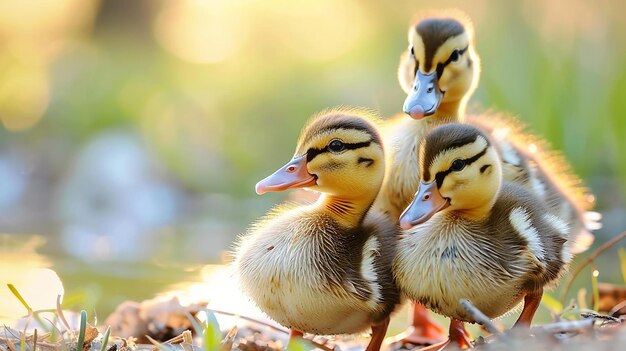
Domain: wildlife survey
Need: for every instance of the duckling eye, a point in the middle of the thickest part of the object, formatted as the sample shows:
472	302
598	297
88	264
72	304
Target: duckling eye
336	146
454	57
457	165
412	52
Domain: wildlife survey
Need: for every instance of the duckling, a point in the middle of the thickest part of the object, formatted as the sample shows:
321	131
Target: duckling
440	69
469	234
325	268
439	72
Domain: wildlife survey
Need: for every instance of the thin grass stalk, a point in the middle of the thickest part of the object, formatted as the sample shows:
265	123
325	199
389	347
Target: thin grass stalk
105	339
83	329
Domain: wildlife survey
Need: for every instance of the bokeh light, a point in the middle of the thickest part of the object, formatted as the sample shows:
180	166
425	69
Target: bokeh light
24	95
201	31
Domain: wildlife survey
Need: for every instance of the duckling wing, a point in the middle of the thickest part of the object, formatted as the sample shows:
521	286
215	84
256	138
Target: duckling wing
545	235
385	231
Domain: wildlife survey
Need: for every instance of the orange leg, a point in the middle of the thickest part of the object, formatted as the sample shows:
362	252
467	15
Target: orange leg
458	335
423	330
378	335
531	303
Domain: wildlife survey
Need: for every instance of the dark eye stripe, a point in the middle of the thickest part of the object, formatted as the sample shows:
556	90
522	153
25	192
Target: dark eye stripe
313	152
441	66
440	176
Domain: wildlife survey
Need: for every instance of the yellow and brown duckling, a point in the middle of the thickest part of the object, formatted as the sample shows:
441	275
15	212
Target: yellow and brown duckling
325	268
469	234
439	72
440	69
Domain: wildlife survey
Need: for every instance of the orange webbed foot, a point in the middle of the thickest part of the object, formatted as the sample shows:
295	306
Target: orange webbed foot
424	330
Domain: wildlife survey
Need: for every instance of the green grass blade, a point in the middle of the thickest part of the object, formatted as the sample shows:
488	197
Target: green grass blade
299	344
105	339
212	333
594	288
622	262
83	328
19	297
552	303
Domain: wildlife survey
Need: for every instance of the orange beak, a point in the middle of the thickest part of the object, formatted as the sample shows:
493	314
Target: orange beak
292	175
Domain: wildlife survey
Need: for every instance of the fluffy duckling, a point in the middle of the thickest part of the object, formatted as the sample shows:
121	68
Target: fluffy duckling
440	69
325	268
470	235
439	72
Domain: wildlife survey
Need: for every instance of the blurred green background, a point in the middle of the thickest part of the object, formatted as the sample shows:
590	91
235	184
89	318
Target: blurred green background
132	132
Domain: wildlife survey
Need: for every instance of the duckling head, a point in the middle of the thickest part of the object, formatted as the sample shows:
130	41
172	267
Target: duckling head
339	152
459	171
440	66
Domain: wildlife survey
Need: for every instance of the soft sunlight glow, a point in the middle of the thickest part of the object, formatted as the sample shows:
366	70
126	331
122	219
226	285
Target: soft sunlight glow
321	30
220	289
42	21
33	34
200	31
23	267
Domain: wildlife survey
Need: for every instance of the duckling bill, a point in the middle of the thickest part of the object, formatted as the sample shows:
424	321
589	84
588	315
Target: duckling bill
470	235
325	268
292	175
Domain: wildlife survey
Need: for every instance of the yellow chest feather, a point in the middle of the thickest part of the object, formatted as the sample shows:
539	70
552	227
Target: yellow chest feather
440	264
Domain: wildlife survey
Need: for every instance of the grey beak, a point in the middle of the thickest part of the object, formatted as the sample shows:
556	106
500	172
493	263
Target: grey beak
425	96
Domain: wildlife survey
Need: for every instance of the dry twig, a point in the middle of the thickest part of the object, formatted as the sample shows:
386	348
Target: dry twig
229	339
480	317
566	326
61	315
600	316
